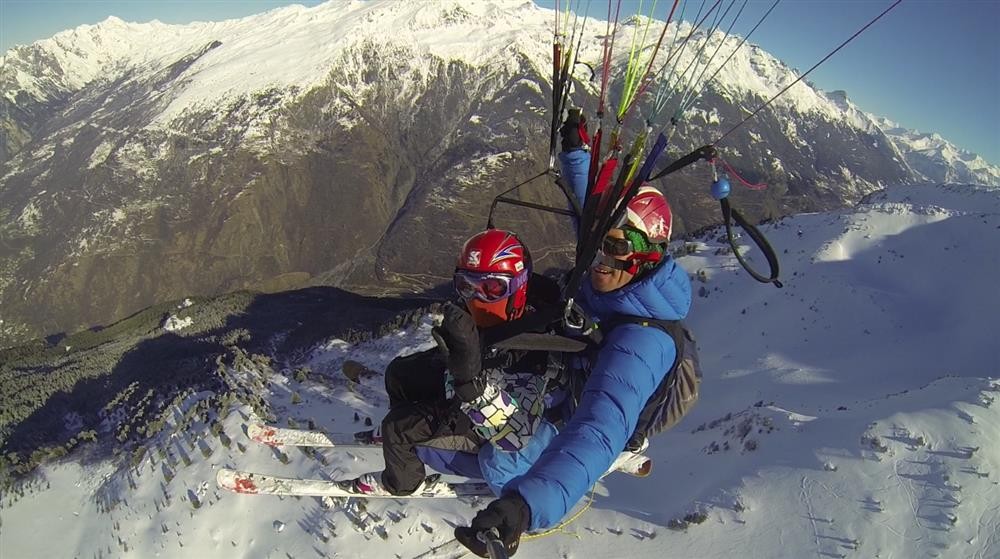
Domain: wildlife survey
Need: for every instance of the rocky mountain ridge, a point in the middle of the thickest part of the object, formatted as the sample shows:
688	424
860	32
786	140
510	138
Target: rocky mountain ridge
307	146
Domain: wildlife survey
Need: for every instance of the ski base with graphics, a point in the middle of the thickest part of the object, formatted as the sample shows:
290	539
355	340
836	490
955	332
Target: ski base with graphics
251	483
632	463
281	436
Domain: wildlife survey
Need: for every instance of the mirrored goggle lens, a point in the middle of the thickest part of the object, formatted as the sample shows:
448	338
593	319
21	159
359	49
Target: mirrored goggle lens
489	288
616	247
493	289
465	288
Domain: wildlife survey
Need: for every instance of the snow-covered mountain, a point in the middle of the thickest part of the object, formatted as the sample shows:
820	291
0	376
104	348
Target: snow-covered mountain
351	144
938	159
852	413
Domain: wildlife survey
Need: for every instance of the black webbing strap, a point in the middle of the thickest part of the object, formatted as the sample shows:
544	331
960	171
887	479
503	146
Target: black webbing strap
532	341
730	214
704	152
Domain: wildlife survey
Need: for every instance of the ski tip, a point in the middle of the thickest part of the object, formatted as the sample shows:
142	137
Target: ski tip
236	482
637	465
262	434
222	477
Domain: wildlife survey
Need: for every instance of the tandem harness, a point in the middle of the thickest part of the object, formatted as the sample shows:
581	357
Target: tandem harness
677	393
673	398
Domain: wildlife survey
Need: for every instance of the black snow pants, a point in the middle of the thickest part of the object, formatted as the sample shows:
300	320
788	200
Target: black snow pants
419	415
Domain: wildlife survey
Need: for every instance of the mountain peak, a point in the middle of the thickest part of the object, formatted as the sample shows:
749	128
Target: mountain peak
217	138
292	46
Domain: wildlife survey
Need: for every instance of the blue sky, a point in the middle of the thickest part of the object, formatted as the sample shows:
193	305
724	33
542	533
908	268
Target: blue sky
933	65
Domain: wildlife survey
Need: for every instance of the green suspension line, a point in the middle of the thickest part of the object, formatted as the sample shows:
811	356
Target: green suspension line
665	90
687	100
632	77
695	60
743	41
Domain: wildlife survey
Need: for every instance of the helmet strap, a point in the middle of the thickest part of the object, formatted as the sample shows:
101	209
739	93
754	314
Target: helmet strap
640	258
517	301
612	262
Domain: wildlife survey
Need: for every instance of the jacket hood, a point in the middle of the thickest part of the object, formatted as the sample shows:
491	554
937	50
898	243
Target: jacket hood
664	294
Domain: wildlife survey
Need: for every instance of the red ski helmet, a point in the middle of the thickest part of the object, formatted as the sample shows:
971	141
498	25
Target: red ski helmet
649	212
491	275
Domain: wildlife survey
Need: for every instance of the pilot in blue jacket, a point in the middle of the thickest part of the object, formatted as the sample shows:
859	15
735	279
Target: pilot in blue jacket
633	275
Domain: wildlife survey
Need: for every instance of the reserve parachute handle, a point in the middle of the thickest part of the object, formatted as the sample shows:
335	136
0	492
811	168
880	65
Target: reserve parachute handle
730	214
720	190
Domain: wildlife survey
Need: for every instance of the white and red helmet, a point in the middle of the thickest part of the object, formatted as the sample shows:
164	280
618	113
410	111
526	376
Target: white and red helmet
649	212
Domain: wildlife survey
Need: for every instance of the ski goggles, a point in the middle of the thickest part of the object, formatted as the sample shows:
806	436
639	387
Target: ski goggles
614	249
487	287
613	246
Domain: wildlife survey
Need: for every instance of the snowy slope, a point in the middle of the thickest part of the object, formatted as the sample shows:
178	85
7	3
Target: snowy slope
292	48
850	414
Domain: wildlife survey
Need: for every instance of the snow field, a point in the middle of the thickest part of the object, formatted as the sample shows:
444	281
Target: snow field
851	414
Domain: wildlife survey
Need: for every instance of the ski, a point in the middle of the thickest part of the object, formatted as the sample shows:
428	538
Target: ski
634	464
251	483
281	436
451	549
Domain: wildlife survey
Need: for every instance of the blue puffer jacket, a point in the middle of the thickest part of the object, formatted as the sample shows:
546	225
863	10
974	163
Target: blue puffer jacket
628	368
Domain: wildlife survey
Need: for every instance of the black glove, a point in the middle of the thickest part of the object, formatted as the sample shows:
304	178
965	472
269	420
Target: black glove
459	341
509	515
572	137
